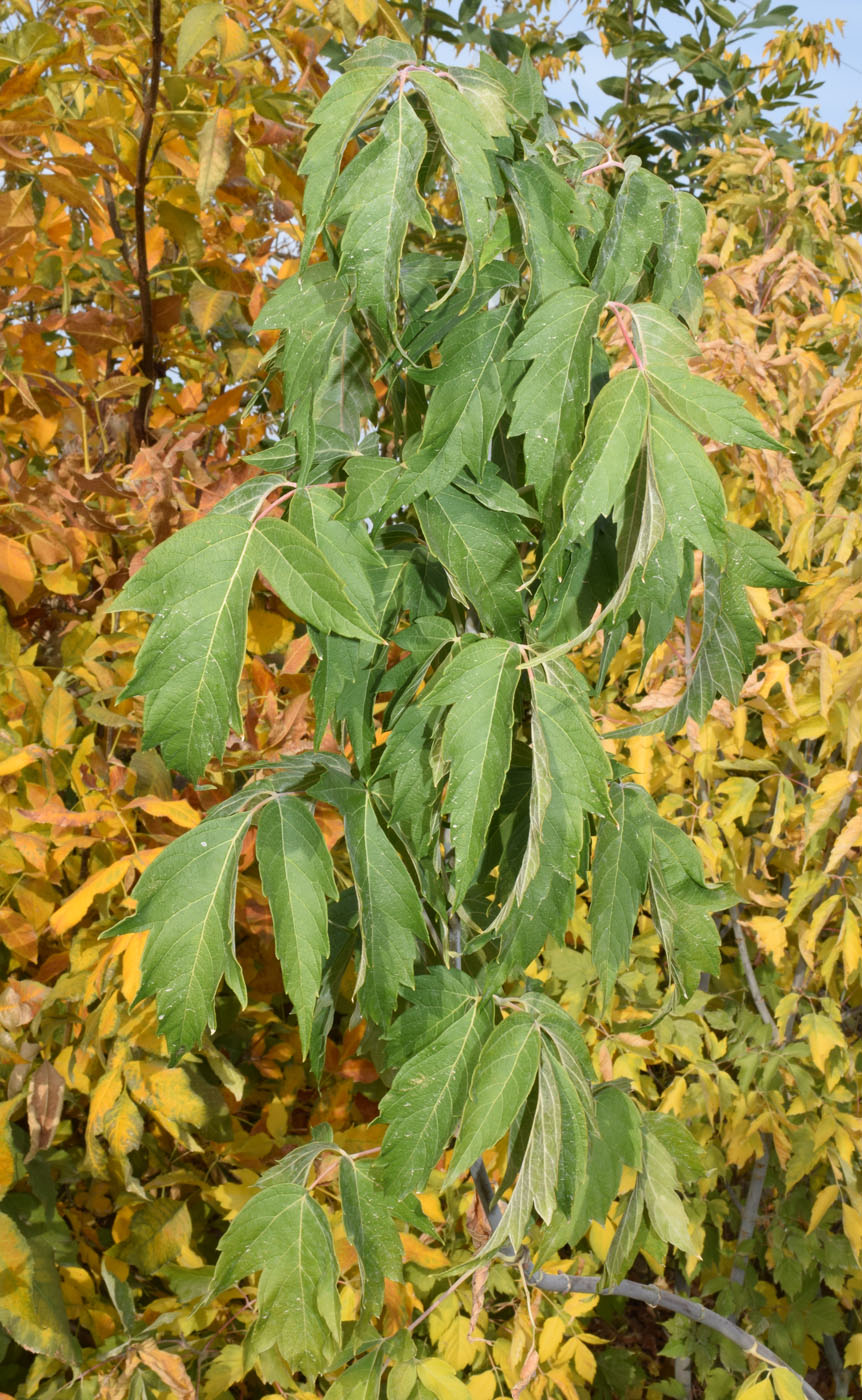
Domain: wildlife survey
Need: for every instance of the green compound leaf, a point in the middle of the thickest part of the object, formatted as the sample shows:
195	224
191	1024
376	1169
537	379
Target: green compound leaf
614	436
284	1234
620	871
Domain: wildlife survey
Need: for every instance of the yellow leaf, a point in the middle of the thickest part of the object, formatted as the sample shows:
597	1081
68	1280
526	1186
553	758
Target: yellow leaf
22	758
215	142
363	11
449	1330
17	573
267	632
771	936
58	718
787	1384
180	812
755	1389
851	943
847	838
585	1362
853	1350
31	1304
64	580
441	1380
208	305
552	1336
823	1036
73	909
483	1386
823	1200
427	1256
160	1230
852	1220
233	40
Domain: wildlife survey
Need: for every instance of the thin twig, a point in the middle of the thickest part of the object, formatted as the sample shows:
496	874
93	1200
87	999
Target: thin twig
757	997
651	1294
148	333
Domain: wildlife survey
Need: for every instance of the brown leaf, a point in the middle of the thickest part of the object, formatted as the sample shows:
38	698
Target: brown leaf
528	1370
45	1094
477	1284
477	1224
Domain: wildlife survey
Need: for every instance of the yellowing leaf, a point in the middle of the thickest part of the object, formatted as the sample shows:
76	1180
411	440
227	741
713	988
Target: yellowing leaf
267	632
482	1386
754	1389
441	1380
553	1333
58	718
852	1220
160	1230
823	1036
787	1384
427	1256
169	1368
771	936
850	836
823	1200
72	910
853	1350
31	1304
17	574
215	142
208	305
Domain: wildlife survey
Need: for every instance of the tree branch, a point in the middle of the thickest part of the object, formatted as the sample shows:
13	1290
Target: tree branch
757	997
650	1294
148	335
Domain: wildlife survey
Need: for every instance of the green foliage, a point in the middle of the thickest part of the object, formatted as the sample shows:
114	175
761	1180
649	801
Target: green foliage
505	440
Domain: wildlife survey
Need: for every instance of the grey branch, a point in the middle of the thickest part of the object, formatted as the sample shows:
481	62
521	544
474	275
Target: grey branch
651	1294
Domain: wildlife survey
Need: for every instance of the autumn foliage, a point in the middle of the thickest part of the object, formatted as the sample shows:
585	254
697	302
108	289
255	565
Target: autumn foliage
120	1171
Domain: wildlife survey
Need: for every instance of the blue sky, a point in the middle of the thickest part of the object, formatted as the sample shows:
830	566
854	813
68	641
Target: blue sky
842	86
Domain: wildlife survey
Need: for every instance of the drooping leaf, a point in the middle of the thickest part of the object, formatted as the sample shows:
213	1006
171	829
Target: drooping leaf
708	408
676	283
614	436
186	901
378	194
578	765
468	398
549	400
369	1226
478	683
296	874
335	118
538	1170
501	1081
426	1098
682	905
477	550
390	912
687	482
285	1235
620	870
635	226
661	1187
547	208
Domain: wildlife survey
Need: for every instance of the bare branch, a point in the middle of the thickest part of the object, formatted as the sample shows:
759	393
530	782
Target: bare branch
148	335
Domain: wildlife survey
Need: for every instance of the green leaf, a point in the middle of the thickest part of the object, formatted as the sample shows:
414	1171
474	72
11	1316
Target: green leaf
336	117
186	900
636	224
549	400
440	998
620	871
477	681
536	1187
296	874
708	408
390	912
676	259
469	145
579	767
32	1309
614	436
285	1235
314	588
688	483
197	583
501	1082
426	1099
370	1229
547	208
574	1138
200	24
478	553
378	193
360	1380
469	396
682	906
624	1245
660	1185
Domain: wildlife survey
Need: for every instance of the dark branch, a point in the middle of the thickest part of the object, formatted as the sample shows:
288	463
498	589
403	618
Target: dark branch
148	336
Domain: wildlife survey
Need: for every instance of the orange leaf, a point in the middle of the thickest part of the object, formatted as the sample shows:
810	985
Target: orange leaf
72	910
17	575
